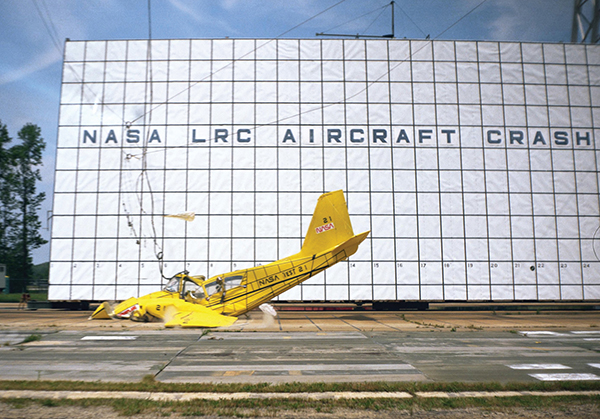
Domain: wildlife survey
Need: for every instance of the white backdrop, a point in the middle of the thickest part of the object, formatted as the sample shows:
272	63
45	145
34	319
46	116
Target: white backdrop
474	165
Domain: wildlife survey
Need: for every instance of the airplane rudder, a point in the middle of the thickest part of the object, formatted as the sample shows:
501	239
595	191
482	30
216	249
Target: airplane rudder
330	224
338	214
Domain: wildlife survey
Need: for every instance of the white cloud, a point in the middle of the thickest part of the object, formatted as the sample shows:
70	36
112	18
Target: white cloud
508	22
188	10
203	17
529	21
40	62
266	18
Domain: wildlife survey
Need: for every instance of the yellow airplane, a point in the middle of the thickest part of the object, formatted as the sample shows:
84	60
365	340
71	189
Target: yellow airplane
193	301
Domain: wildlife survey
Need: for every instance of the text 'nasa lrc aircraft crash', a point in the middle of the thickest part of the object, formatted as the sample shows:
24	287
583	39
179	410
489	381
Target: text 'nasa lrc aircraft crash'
192	301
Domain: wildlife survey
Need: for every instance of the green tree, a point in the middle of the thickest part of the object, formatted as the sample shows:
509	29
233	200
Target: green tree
7	201
26	158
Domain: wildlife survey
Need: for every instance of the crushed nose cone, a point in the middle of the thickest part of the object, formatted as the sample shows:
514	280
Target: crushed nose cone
102	312
127	313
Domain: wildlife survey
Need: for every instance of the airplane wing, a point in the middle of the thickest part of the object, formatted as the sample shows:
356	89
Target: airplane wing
204	317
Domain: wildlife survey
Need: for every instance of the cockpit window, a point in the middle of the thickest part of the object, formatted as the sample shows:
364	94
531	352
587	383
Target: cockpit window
227	282
193	289
173	285
233	281
213	288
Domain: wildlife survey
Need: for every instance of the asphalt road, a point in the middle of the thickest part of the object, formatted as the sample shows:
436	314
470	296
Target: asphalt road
363	346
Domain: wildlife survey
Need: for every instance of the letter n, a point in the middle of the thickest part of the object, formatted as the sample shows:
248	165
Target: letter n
86	136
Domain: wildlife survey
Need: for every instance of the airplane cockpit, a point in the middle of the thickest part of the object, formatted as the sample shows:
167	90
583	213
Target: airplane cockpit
173	284
197	288
221	285
185	285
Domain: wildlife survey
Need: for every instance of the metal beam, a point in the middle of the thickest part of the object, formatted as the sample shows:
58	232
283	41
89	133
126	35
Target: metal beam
586	19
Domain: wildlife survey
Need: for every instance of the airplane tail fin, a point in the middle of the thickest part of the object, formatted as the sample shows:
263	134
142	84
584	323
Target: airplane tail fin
330	225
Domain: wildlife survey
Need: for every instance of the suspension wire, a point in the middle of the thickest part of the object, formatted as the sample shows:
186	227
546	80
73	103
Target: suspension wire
149	20
594	240
356	18
459	20
375	20
412	21
241	57
251	52
144	178
55	38
401	62
49	24
308	20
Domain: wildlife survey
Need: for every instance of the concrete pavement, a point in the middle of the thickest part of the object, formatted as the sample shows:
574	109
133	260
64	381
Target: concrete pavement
306	347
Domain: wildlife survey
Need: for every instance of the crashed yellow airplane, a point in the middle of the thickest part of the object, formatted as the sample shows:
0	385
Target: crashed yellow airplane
193	301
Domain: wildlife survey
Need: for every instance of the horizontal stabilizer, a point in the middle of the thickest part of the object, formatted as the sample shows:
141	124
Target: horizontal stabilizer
351	245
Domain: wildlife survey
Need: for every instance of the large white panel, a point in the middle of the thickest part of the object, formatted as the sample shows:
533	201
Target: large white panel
257	160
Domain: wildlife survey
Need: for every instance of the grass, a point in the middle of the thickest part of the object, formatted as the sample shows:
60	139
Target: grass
437	326
16	297
149	384
275	406
32	338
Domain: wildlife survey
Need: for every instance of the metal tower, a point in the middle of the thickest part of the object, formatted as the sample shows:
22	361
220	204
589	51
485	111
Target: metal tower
585	29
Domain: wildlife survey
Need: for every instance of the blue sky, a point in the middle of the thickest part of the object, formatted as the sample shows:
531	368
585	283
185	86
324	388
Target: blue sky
32	34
